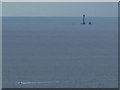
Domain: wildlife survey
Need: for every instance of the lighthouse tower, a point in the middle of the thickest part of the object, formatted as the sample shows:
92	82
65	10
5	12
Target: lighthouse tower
83	19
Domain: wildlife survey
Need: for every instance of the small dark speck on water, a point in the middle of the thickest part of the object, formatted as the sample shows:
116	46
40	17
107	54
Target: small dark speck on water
90	23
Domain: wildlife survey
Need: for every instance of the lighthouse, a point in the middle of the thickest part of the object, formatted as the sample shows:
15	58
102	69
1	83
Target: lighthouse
83	19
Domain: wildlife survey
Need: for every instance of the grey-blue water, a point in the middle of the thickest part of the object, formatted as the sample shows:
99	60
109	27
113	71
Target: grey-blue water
60	52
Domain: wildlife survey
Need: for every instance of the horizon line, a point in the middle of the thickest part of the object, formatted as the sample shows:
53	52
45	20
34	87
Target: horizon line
59	16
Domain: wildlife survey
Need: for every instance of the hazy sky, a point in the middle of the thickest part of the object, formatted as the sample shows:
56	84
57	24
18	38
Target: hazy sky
94	9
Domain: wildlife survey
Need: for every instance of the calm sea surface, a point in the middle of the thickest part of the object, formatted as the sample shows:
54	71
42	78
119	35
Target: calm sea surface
60	52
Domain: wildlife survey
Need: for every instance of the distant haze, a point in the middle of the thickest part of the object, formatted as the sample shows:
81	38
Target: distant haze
60	9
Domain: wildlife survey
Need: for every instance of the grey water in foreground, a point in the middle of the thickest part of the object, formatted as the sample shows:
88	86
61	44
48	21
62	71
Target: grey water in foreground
60	52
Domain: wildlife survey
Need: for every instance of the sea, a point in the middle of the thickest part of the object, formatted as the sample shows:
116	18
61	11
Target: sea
59	52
